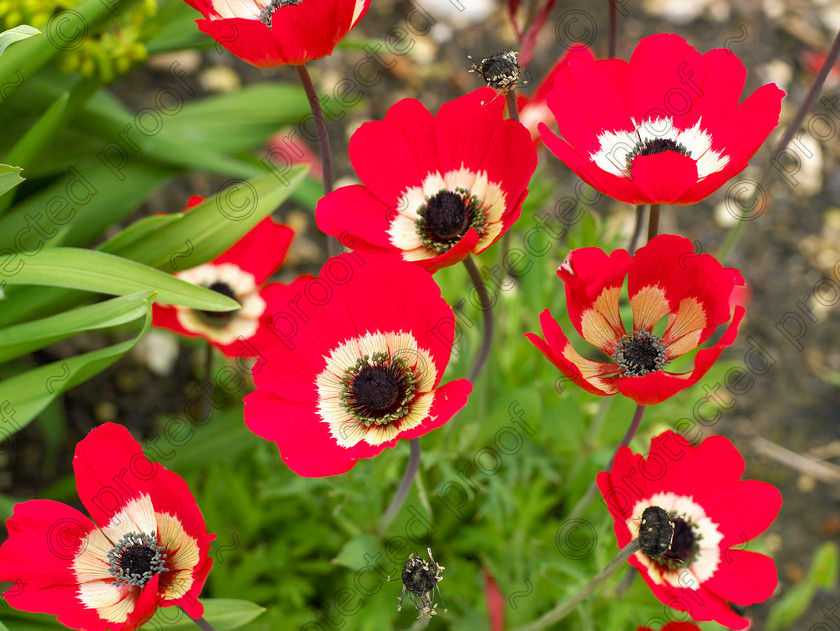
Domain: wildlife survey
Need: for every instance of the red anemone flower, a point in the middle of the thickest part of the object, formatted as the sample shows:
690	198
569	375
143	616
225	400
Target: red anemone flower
362	353
533	109
269	33
665	127
238	273
664	278
146	547
435	188
710	510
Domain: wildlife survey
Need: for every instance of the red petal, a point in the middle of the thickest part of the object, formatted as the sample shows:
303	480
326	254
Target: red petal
355	210
166	317
450	399
260	251
305	443
44	538
465	128
743	578
250	40
386	178
664	177
111	469
746	513
657	67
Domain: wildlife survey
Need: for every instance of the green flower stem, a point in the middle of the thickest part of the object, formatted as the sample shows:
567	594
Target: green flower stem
767	175
402	490
201	622
487	311
565	608
629	434
323	142
637	229
653	222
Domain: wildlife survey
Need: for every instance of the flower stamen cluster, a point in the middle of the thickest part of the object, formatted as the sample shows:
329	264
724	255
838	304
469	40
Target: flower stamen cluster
136	559
640	353
446	217
378	389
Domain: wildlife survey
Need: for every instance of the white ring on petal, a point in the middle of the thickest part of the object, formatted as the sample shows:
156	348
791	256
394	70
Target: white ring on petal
706	534
244	323
615	146
403	230
344	427
248	9
96	589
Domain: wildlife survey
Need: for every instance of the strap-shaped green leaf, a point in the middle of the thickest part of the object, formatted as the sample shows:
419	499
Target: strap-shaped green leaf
223	613
89	270
24	396
212	227
9	177
24	338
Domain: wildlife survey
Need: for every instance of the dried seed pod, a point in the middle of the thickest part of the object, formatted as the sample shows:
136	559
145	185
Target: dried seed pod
420	578
500	71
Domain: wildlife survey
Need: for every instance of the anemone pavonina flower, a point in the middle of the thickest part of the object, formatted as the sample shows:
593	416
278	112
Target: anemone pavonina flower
361	370
435	188
665	127
238	273
533	109
712	511
665	278
269	33
146	547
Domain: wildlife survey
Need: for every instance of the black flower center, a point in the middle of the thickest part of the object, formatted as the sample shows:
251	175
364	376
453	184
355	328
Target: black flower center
136	559
378	389
446	217
639	353
271	7
218	319
684	545
649	147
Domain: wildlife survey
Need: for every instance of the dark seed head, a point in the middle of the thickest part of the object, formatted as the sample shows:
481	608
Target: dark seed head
419	576
655	532
271	7
649	147
684	544
500	70
639	353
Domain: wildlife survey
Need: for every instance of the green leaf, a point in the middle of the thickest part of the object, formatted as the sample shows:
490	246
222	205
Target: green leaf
16	34
353	554
9	177
822	574
223	613
27	148
24	338
89	270
136	231
214	225
24	396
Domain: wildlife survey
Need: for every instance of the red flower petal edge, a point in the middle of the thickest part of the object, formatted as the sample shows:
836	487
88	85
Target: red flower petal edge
146	547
